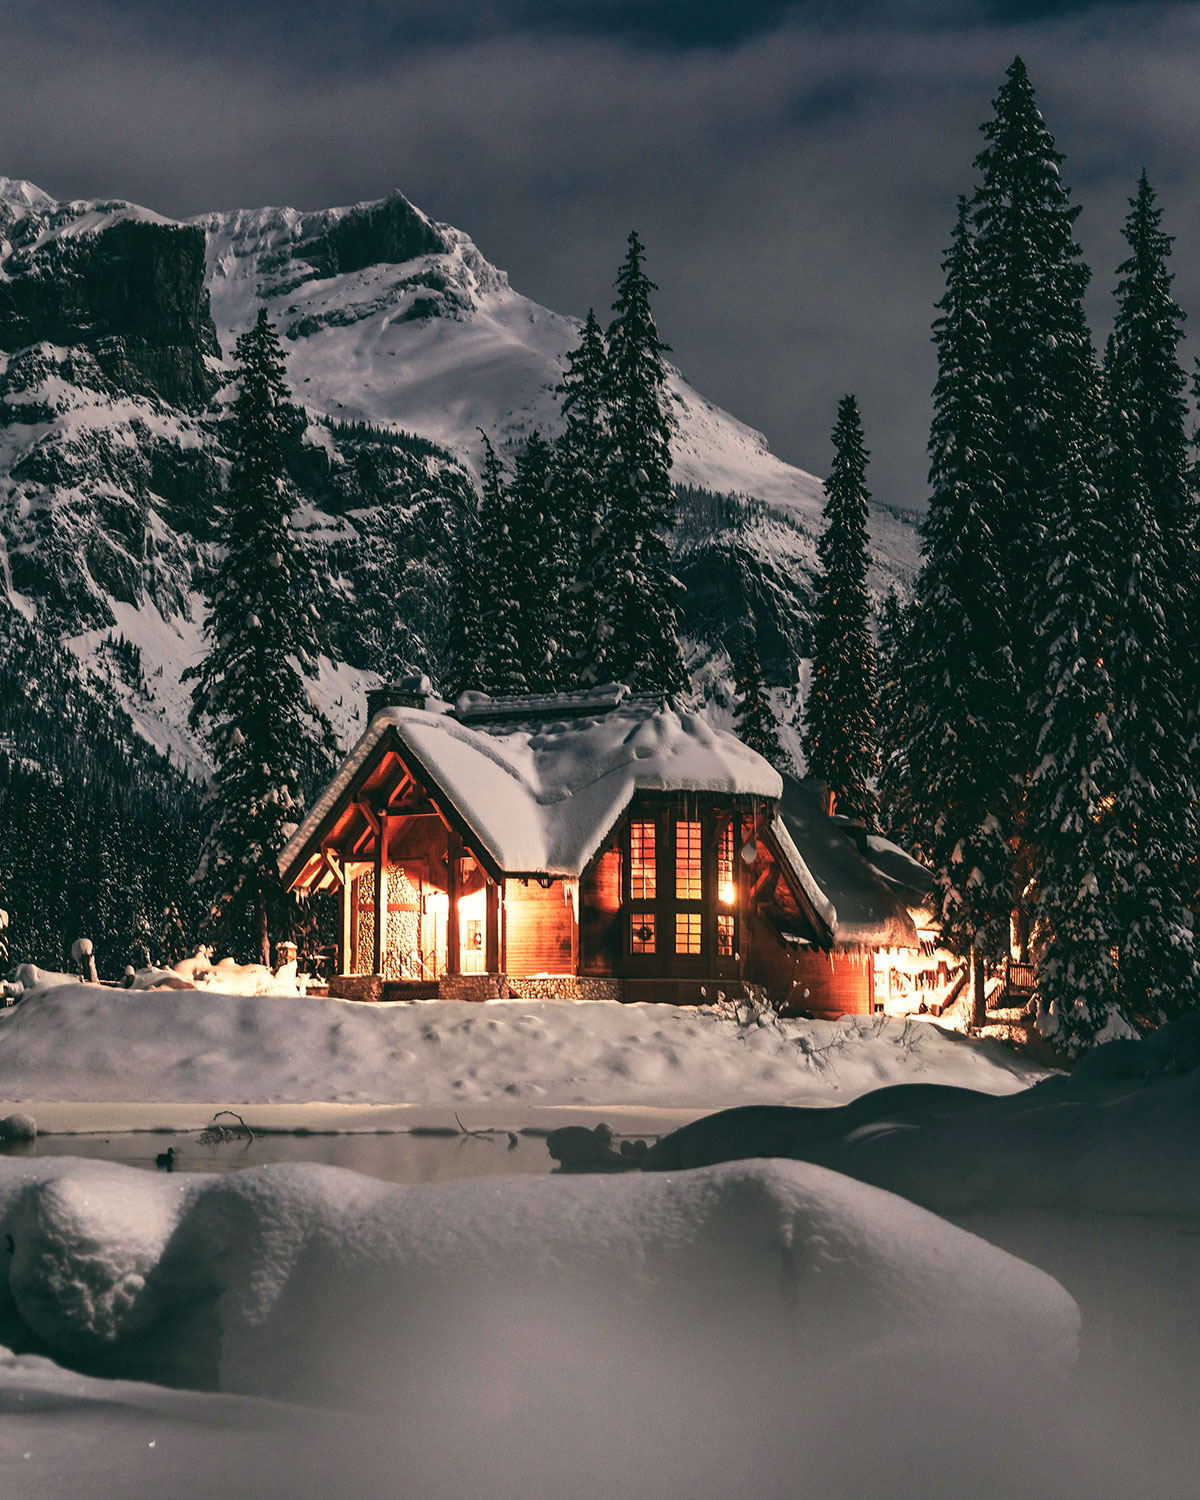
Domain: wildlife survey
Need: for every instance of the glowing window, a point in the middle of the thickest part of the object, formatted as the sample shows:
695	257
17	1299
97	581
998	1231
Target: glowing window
726	936
726	881
642	883
687	865
641	932
687	932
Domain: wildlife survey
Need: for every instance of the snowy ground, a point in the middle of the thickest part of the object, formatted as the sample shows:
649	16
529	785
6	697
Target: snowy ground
768	1328
78	1042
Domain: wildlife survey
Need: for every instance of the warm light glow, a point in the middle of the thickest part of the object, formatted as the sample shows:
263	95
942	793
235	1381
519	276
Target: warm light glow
437	903
472	907
728	893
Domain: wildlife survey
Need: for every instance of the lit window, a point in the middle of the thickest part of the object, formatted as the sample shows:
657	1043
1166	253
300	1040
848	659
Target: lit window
726	884
687	865
687	932
726	935
642	883
641	932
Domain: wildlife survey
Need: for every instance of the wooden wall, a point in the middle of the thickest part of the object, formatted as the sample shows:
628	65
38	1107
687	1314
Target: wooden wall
539	929
599	915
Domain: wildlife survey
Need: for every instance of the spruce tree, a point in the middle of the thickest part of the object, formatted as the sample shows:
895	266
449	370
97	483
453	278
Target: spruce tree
249	700
578	495
1077	770
465	643
634	637
753	717
839	713
501	665
891	652
959	689
1152	813
1031	281
537	560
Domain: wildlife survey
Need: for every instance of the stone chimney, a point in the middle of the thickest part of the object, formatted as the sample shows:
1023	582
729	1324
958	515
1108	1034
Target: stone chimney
407	692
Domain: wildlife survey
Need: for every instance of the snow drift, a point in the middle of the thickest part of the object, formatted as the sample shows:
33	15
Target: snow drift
618	1336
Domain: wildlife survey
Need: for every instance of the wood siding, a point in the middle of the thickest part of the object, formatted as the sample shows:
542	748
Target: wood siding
600	914
539	929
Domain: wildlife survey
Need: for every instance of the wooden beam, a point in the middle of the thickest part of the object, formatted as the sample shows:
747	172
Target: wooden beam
368	812
330	858
381	891
344	914
494	949
400	790
453	867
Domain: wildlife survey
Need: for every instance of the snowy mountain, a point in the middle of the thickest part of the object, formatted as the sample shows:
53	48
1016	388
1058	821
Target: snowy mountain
116	327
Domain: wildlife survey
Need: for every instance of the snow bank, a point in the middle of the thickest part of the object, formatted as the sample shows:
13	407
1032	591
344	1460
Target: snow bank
527	1330
86	1042
226	976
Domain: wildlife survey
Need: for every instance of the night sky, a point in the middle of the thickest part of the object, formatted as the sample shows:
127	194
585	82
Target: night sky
791	168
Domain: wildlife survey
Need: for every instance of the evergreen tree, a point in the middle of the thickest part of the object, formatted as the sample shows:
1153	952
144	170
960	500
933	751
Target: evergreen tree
634	637
1152	813
839	714
538	562
465	643
1031	282
1146	383
959	724
1072	785
502	664
578	496
753	717
249	699
891	655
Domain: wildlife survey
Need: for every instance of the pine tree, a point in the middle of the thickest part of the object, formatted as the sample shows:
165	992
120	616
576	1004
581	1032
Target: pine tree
464	644
1152	813
1031	281
502	666
249	699
959	688
753	717
891	654
1077	770
537	562
839	714
634	637
578	495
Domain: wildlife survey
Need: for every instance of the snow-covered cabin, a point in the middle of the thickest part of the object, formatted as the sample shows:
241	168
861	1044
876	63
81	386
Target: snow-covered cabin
593	844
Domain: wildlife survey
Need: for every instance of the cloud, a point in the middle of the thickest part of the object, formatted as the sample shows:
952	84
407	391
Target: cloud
794	183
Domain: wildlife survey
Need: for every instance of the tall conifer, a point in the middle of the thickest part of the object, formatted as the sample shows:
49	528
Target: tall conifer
501	664
839	713
959	687
753	717
579	495
249	699
634	638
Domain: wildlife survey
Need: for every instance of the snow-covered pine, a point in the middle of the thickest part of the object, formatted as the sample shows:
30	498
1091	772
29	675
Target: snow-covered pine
499	567
754	719
250	683
957	714
1147	382
1031	282
1152	816
578	497
464	637
1078	770
634	634
839	713
538	563
891	647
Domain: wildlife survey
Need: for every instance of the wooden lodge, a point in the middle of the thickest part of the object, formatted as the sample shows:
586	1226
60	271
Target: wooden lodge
589	845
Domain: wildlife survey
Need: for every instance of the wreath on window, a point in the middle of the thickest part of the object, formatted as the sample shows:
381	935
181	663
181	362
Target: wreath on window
644	933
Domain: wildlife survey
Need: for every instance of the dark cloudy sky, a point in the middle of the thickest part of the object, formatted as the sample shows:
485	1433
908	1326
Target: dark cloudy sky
791	167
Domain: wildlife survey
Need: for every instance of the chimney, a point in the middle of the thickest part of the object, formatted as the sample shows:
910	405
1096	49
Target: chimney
407	692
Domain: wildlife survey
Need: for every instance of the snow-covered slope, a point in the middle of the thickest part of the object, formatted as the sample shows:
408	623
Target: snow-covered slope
116	331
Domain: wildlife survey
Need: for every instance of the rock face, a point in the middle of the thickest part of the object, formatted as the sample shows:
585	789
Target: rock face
127	291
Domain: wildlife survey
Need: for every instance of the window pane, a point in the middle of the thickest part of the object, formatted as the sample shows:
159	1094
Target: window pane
687	932
726	886
687	862
726	936
641	932
642	883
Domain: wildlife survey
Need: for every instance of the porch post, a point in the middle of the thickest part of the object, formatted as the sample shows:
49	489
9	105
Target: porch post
492	960
453	864
344	961
381	891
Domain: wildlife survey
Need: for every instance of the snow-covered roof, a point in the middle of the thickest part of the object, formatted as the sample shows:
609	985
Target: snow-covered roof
867	908
542	792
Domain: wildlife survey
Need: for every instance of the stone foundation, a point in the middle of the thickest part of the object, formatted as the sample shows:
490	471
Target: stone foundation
564	987
476	987
356	986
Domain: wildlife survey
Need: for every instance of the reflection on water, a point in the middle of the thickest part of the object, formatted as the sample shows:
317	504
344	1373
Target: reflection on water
409	1157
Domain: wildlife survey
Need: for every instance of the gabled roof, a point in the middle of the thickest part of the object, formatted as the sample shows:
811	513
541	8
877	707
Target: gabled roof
866	892
540	783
